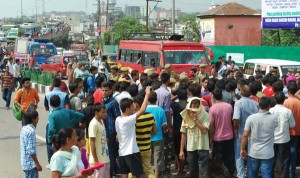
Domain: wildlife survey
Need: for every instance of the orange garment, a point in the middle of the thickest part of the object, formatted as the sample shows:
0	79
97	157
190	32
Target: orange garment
98	96
27	98
294	105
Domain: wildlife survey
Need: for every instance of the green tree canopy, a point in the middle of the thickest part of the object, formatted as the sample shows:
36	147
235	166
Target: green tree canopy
126	26
192	27
281	37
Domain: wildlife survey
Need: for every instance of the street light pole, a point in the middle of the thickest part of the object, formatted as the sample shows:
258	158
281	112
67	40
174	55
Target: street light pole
147	16
173	17
21	10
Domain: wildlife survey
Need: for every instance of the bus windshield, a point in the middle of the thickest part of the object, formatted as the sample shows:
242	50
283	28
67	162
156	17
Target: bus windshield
42	50
185	57
290	68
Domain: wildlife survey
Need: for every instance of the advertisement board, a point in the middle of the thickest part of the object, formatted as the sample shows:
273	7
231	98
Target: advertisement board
280	14
207	30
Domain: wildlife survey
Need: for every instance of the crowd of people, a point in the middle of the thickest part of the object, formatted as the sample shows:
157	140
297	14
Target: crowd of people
139	124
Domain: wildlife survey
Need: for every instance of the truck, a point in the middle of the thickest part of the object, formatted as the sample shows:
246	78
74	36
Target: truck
12	35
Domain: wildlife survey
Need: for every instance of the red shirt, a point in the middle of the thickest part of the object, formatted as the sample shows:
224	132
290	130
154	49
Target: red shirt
208	98
269	91
63	87
255	98
98	96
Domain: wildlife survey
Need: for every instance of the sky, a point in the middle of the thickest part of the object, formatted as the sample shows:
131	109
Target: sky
12	8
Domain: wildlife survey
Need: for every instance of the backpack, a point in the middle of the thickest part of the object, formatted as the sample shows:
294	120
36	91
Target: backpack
85	84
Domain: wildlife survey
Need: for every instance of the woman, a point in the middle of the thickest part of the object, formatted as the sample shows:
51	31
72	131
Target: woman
66	162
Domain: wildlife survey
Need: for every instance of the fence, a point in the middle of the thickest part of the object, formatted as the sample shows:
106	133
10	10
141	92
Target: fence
38	76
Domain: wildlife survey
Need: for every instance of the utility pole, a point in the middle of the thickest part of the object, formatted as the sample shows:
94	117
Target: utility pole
21	10
36	10
106	23
147	16
99	24
173	17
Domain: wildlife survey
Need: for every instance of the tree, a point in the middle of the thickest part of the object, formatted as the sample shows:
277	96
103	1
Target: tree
126	26
281	37
192	27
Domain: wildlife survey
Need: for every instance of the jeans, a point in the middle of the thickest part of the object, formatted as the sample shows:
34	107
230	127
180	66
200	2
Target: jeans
18	80
113	154
264	165
49	146
282	151
33	173
6	95
169	152
294	146
239	162
223	152
198	163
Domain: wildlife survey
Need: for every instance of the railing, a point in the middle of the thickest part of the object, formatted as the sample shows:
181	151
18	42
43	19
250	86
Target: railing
38	76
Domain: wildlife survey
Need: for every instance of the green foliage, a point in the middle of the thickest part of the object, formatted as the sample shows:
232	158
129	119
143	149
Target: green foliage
281	37
126	26
192	27
107	38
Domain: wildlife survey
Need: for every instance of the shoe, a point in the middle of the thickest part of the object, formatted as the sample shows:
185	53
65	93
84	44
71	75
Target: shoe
7	108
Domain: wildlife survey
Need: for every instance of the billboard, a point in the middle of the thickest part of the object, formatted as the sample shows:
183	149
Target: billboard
207	30
281	14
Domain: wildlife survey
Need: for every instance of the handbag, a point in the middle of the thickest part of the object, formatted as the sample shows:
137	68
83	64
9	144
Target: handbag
17	110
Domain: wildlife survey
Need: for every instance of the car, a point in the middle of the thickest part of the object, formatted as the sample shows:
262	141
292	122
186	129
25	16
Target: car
57	64
60	50
2	36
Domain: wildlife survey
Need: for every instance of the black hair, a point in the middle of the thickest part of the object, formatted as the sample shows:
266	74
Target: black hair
154	76
117	86
80	134
99	107
155	85
61	138
25	80
125	103
220	84
193	69
165	77
255	86
217	170
143	78
17	60
138	100
133	90
277	86
195	89
124	86
55	101
144	74
251	79
134	73
230	86
292	87
73	87
205	78
99	80
152	97
245	91
106	85
242	82
264	102
195	101
89	100
182	94
258	76
279	97
211	85
93	68
78	80
239	74
148	82
56	82
217	93
272	79
265	80
29	116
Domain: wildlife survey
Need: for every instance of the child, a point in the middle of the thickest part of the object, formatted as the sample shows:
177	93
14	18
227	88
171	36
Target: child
29	161
81	145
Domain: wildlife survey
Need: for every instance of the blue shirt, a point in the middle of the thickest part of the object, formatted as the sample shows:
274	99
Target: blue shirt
160	120
113	111
64	99
163	98
62	118
243	108
28	147
91	83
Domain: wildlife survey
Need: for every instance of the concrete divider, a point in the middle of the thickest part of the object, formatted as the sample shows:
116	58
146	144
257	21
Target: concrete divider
41	88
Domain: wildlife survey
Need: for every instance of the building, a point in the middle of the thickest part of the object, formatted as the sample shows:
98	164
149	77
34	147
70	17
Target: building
231	24
163	13
134	11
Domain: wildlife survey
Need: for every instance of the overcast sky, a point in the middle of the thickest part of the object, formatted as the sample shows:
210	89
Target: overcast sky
12	8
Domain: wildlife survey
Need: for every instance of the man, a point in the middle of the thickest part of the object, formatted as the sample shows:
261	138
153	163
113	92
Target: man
26	97
29	161
17	74
130	157
60	118
10	64
95	62
70	70
259	129
282	136
164	101
112	106
135	77
7	86
204	90
214	74
145	127
91	80
221	132
75	101
114	75
124	85
98	142
168	69
125	73
243	108
293	104
268	81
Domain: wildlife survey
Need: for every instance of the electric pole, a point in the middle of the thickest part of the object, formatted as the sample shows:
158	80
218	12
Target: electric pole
147	16
99	24
173	17
22	11
106	23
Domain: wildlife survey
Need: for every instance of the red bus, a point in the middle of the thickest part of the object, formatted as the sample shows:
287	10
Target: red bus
140	54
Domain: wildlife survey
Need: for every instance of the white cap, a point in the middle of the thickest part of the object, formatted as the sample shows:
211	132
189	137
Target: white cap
101	67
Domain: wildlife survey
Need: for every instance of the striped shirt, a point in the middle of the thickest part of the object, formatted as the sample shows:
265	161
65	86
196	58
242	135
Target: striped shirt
8	80
28	147
144	126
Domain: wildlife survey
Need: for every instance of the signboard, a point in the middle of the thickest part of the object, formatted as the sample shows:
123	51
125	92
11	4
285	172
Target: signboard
236	57
207	30
280	14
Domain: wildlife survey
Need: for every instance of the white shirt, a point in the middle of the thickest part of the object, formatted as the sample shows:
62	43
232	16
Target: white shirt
125	127
17	69
95	63
122	95
285	122
11	68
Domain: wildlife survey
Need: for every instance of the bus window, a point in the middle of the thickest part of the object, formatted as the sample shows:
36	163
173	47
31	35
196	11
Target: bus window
123	55
262	69
129	56
185	57
249	68
151	59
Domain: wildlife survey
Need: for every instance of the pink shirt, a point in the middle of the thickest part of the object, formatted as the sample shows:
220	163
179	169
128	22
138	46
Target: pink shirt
98	96
220	115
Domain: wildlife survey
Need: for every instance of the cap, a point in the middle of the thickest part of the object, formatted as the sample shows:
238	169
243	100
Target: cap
101	67
167	66
172	80
202	65
114	67
124	69
273	70
290	78
149	71
124	80
183	78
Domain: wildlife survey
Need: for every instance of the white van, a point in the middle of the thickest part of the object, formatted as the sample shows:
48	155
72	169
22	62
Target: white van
266	65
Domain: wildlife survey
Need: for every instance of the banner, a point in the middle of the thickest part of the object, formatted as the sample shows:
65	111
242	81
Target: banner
207	30
280	14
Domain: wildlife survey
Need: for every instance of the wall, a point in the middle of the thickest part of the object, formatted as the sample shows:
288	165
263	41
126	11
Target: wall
245	31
